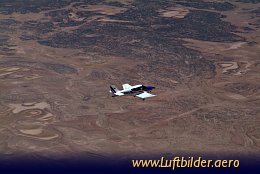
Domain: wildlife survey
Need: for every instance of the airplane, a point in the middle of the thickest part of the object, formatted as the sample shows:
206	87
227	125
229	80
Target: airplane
140	91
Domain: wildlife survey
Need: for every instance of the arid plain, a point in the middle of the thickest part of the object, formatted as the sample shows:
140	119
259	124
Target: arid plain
58	58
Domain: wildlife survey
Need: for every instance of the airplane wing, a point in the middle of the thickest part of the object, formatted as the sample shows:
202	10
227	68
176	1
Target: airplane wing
127	86
145	95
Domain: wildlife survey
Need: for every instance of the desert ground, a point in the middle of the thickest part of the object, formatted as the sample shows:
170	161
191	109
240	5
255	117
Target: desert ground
58	59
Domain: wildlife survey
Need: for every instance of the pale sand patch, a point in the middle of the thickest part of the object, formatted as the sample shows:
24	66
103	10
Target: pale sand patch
239	73
101	18
125	2
224	65
212	47
47	117
75	17
21	107
7	73
236	45
228	66
10	69
17	82
246	68
174	81
105	19
33	76
28	104
49	137
41	138
174	12
32	131
35	112
104	9
25	17
236	96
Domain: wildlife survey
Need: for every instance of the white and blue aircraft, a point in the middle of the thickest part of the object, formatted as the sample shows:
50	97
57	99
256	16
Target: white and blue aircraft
140	91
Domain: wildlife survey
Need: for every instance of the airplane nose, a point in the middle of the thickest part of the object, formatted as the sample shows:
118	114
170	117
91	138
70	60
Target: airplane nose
150	87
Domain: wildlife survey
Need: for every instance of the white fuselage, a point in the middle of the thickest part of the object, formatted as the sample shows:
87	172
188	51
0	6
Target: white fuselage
130	91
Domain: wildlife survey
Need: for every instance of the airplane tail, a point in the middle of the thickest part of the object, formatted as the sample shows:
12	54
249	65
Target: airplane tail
113	89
